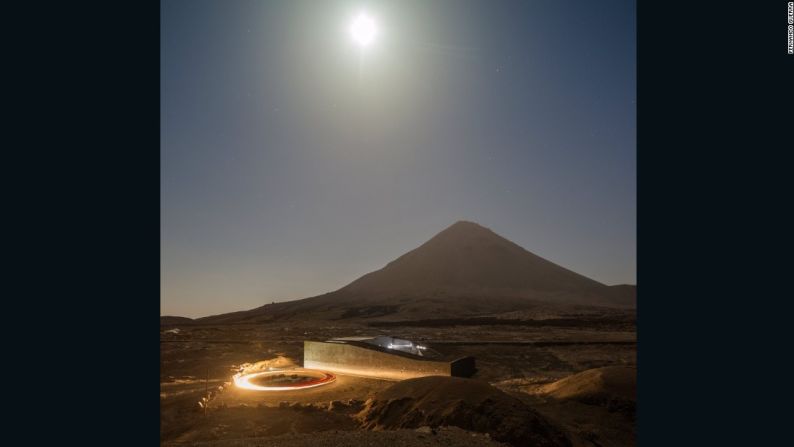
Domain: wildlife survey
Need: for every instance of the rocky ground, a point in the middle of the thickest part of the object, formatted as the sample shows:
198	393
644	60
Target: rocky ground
420	437
521	359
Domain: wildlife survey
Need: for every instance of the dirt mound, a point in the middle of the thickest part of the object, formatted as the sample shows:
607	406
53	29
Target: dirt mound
614	387
465	403
611	381
278	362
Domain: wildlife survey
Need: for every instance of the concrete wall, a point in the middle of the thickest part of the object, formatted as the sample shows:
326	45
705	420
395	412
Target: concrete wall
361	361
463	367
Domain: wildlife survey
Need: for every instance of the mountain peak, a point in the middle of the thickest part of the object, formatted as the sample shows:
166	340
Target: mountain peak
465	229
467	258
465	224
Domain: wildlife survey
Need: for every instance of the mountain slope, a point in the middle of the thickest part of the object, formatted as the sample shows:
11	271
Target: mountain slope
168	320
467	258
465	270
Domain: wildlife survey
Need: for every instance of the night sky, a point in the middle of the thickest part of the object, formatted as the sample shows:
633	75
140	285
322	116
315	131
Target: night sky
294	161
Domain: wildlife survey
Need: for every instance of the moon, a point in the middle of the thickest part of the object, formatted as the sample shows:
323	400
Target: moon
363	30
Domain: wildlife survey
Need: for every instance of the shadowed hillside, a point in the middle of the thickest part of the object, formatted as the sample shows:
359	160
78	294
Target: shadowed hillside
469	404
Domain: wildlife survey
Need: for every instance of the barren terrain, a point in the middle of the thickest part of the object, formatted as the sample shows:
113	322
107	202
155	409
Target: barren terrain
522	357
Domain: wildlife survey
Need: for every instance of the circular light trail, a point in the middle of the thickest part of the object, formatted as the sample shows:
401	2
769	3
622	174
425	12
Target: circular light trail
283	380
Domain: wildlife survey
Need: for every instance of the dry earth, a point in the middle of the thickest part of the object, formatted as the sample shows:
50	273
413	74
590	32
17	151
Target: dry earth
520	359
421	437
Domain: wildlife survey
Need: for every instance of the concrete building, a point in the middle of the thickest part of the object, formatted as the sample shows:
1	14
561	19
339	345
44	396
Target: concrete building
382	357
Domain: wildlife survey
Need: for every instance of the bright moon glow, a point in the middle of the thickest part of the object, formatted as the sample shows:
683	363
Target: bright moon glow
363	30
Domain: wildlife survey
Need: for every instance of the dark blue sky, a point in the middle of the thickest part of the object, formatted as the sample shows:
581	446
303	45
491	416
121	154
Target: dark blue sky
293	162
